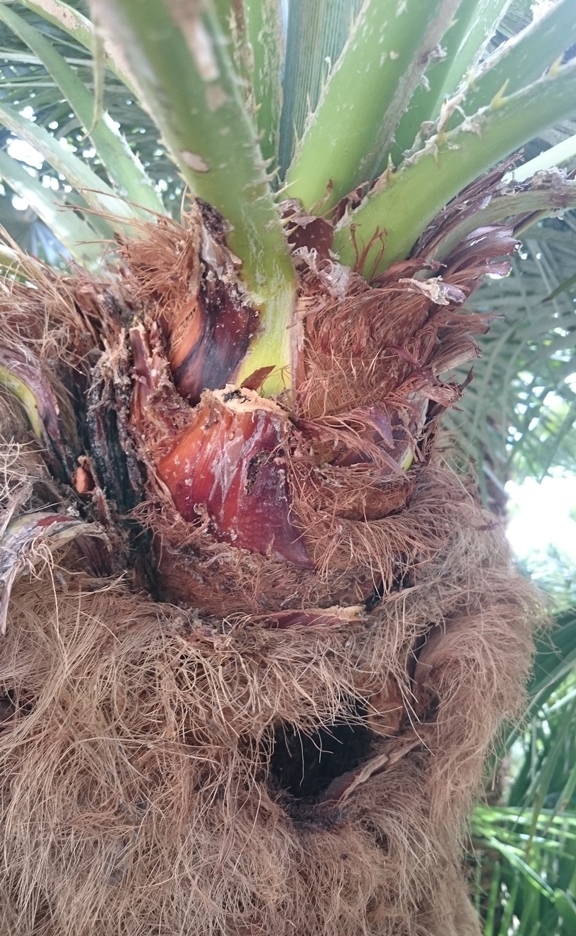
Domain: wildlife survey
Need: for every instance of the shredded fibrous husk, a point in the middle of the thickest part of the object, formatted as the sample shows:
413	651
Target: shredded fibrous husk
139	786
217	725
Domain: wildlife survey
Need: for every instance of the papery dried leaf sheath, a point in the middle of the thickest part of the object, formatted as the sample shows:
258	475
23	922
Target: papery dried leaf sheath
188	281
230	463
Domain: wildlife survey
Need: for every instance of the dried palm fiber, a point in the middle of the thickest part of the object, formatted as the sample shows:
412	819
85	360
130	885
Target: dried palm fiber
220	726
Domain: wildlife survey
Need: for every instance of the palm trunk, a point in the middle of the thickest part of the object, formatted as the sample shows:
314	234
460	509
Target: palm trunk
254	692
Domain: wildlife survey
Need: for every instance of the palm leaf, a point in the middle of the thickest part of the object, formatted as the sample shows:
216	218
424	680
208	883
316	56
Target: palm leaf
76	235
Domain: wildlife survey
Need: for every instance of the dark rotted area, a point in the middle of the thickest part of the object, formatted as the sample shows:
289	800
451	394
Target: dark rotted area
304	765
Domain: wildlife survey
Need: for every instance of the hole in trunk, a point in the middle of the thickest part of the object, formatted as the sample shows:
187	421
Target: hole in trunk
305	765
10	706
7	709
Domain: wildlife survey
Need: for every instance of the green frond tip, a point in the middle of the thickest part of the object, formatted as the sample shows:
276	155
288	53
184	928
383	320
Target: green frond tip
387	225
180	61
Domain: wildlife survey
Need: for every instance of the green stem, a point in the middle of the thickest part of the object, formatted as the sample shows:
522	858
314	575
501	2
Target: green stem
254	29
179	59
480	28
547	159
475	20
264	34
402	204
317	33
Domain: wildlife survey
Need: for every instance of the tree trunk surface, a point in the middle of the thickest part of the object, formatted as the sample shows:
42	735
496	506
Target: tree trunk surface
256	651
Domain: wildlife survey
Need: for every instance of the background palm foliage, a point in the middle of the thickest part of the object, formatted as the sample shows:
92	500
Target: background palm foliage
521	406
524	838
518	415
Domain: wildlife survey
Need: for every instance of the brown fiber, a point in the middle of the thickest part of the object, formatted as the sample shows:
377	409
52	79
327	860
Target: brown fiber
136	783
201	740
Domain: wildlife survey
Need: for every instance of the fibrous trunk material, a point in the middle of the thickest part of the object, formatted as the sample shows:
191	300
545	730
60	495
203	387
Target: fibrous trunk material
255	649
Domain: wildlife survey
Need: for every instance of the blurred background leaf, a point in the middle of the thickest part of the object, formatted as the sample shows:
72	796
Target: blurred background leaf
524	837
517	417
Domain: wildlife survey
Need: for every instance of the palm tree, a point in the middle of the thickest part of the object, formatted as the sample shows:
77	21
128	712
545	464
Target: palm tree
258	634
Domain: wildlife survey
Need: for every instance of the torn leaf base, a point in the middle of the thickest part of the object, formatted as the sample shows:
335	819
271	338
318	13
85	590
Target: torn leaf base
31	539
